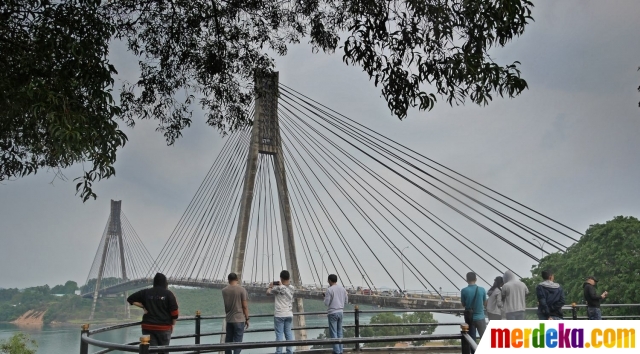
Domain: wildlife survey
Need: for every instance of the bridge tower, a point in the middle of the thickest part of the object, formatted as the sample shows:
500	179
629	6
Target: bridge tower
113	240
265	139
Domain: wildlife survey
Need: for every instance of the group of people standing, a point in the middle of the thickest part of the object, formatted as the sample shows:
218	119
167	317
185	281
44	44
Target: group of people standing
161	310
506	300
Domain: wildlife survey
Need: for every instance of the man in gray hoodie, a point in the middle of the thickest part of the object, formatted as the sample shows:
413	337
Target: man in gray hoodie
514	294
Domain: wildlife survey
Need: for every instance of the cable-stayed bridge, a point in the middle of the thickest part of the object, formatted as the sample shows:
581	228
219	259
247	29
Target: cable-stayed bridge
315	192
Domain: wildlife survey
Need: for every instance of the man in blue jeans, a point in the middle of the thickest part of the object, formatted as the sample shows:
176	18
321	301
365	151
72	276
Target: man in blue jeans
474	298
334	298
283	313
237	310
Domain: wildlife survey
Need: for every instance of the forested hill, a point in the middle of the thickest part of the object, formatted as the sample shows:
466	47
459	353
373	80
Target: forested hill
74	309
611	253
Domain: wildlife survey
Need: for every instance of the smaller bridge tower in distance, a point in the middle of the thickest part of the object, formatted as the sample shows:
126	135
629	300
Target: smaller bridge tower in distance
121	258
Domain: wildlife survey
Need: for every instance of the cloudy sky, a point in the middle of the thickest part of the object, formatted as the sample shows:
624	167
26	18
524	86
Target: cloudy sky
568	146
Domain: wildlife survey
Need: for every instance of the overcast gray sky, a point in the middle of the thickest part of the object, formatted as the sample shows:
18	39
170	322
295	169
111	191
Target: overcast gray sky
568	146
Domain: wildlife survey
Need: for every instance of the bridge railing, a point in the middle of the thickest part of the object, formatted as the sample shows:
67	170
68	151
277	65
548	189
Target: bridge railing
142	346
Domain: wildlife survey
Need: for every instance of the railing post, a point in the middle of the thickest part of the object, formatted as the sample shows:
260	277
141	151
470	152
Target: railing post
84	347
574	311
144	345
198	327
357	328
466	348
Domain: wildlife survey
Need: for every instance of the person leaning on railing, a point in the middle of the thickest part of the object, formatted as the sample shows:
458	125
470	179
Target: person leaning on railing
160	310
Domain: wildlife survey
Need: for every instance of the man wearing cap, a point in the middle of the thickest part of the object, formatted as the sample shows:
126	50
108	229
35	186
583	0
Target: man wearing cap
592	298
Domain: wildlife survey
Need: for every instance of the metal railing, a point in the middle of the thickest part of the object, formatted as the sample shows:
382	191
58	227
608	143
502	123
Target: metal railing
143	346
575	307
467	345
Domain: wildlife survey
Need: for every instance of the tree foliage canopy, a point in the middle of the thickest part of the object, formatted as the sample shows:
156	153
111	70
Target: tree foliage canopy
18	343
69	288
56	80
56	107
611	253
389	318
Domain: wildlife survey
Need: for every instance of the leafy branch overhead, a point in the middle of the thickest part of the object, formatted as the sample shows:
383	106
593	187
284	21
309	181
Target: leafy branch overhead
56	79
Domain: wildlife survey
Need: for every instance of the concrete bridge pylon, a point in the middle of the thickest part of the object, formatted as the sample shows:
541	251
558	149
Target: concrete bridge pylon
266	139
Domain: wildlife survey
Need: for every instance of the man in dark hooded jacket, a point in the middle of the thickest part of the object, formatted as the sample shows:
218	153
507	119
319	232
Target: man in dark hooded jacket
592	298
550	298
160	310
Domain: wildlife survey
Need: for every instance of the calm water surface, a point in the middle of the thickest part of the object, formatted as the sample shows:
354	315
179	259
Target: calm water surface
66	340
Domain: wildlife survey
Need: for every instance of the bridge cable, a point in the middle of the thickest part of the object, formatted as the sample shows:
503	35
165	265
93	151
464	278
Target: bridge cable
372	223
308	205
216	197
404	197
179	232
354	176
223	202
440	189
448	169
438	198
273	212
338	206
445	229
231	220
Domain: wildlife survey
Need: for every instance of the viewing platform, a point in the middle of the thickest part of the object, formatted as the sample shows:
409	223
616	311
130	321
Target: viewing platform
440	343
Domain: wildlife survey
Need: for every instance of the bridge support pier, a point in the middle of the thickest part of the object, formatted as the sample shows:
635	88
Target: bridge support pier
265	139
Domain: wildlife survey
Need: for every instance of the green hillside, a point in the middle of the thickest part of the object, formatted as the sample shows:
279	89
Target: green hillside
74	309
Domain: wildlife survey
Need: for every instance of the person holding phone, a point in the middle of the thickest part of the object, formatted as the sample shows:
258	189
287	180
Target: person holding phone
592	298
283	313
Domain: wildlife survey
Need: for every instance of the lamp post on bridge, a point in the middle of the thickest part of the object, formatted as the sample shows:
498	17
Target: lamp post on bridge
321	267
541	246
404	287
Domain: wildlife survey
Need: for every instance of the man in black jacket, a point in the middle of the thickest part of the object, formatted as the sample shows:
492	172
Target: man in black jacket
550	298
160	310
592	298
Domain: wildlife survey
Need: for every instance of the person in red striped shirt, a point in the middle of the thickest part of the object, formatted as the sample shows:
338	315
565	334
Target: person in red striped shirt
160	310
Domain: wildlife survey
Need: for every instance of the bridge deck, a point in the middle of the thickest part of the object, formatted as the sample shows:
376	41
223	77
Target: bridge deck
410	301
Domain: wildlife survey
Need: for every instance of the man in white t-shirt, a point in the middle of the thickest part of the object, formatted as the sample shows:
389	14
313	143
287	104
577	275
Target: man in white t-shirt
283	314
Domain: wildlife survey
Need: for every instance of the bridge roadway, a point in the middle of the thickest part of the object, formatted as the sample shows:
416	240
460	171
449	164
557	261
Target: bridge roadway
256	292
